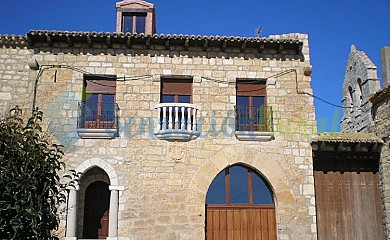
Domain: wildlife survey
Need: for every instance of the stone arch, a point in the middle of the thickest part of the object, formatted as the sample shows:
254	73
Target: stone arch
105	166
93	170
273	173
267	189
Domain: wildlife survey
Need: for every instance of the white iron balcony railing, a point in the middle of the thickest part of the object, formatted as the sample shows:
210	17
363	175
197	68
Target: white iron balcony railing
177	121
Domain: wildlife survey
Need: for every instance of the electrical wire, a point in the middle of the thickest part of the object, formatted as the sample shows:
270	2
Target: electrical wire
124	78
303	92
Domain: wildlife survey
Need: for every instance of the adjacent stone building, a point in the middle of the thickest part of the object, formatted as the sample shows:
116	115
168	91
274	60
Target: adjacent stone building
373	115
360	82
381	116
177	136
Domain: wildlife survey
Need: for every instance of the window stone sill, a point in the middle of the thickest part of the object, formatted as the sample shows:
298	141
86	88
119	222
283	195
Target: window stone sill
97	133
254	136
177	135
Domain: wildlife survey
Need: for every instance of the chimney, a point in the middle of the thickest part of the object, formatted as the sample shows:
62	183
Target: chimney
385	59
135	16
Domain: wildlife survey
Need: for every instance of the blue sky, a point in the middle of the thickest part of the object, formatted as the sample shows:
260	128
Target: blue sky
332	25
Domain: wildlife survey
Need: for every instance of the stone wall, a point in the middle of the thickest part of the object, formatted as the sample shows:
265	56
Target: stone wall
381	116
166	182
360	82
15	78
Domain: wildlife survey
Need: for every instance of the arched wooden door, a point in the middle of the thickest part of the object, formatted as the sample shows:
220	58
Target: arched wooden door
97	200
239	205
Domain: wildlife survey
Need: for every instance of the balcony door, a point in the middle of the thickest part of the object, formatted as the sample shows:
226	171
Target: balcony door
251	110
100	110
177	91
99	107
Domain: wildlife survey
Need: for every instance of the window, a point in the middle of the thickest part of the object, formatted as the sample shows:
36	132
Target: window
98	109
359	92
99	102
351	98
252	114
134	22
239	185
177	91
177	115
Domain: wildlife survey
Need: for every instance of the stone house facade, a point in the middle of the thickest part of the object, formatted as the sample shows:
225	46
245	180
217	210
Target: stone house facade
155	121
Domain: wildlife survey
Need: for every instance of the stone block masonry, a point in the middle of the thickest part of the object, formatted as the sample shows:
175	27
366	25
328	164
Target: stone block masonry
15	79
381	116
165	182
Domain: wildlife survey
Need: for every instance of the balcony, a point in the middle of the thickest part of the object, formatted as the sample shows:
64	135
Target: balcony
177	121
97	120
254	123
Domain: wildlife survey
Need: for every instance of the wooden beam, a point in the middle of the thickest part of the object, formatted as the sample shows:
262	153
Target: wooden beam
372	147
205	45
49	40
261	47
281	47
322	146
315	146
243	46
337	146
167	44
69	41
186	44
128	42
299	49
147	44
224	46
108	41
89	41
29	41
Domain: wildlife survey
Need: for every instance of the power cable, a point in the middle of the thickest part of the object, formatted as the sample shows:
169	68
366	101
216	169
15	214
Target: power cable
124	78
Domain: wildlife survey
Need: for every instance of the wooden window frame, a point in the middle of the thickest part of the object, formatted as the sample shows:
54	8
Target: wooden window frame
252	88
250	189
134	24
177	87
98	82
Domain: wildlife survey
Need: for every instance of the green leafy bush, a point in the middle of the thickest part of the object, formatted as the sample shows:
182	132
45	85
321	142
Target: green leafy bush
30	188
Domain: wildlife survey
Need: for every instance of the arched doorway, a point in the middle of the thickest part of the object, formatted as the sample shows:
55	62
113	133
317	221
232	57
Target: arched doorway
97	201
240	205
94	204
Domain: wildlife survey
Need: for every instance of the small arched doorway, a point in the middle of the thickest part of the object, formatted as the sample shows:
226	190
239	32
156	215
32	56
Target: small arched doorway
240	205
94	204
97	202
